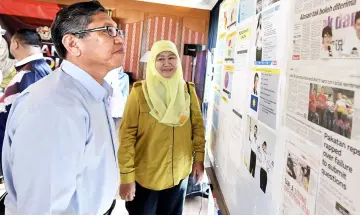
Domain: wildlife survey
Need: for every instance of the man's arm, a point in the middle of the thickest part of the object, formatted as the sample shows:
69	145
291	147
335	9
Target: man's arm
45	157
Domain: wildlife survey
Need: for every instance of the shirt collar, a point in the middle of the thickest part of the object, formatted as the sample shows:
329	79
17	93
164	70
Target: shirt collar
99	92
29	59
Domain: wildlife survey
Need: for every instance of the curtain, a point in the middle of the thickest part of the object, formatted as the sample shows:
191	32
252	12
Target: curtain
213	26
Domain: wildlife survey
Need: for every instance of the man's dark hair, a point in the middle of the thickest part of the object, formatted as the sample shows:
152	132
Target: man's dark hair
255	76
28	37
327	30
71	19
357	16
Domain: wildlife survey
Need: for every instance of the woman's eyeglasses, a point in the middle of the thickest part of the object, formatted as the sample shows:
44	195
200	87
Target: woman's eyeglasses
112	31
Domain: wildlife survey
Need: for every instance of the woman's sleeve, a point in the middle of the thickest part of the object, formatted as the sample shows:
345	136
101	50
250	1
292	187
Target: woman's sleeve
127	138
197	125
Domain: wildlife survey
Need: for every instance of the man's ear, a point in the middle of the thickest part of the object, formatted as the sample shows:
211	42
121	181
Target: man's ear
71	44
16	44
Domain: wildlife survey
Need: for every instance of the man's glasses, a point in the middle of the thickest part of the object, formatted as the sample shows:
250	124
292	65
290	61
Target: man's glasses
112	31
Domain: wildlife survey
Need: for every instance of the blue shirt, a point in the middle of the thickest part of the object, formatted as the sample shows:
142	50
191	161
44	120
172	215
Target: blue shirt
29	70
60	147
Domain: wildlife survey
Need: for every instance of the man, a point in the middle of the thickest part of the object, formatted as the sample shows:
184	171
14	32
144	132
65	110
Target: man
312	104
254	147
26	48
266	166
120	84
259	6
321	106
255	84
330	112
60	146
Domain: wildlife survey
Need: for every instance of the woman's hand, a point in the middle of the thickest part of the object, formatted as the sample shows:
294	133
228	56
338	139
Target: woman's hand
127	191
198	171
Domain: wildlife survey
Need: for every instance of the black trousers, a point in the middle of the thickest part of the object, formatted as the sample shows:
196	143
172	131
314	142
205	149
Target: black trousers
263	180
258	54
165	202
252	163
321	114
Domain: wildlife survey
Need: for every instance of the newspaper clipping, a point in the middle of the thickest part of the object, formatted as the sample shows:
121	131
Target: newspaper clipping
300	179
258	152
323	106
267	29
326	30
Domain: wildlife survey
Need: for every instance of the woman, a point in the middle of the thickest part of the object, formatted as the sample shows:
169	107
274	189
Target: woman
327	48
341	111
160	120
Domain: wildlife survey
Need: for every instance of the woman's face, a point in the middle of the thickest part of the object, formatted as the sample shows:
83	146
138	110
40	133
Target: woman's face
166	64
327	39
339	95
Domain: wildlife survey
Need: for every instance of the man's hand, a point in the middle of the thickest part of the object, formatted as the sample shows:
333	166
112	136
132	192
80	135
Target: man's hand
198	171
127	191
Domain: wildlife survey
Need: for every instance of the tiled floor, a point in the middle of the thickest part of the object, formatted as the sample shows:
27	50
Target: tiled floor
193	206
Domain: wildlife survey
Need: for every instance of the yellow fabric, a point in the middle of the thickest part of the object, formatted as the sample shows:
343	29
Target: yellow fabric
153	154
8	78
168	101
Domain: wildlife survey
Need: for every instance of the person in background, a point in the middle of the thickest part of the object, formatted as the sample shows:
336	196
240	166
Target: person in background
119	81
348	116
254	147
59	153
7	69
31	67
327	48
352	42
131	80
161	130
312	105
341	111
321	106
6	66
330	112
266	166
258	6
259	39
255	84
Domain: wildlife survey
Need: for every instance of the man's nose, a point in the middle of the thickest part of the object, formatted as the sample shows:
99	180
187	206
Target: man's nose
119	39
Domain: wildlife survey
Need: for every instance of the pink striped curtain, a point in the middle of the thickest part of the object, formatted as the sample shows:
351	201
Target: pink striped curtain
133	47
190	37
157	28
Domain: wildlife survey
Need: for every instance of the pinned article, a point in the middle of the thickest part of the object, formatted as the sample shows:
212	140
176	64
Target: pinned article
330	30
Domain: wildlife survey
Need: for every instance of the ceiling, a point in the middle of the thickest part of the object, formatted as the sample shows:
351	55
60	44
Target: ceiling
200	4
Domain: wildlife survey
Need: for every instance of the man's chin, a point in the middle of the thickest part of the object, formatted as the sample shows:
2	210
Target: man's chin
116	62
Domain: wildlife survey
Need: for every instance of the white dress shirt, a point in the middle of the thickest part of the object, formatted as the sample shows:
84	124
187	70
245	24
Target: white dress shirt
119	81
